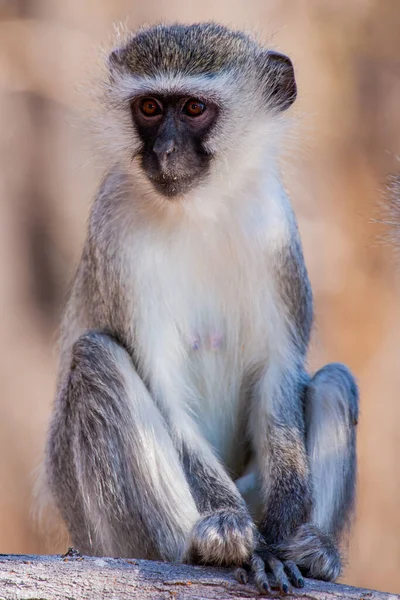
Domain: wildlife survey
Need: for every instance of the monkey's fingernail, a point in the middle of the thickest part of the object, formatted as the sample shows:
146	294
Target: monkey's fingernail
265	587
300	583
241	575
285	588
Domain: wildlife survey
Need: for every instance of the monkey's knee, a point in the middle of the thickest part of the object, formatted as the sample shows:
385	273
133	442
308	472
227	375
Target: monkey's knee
89	420
122	466
333	389
95	400
331	415
97	357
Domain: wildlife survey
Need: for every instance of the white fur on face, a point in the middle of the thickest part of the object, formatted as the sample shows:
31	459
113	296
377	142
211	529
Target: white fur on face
243	136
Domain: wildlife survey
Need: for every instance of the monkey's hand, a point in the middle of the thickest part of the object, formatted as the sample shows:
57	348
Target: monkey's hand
314	552
284	573
309	550
222	537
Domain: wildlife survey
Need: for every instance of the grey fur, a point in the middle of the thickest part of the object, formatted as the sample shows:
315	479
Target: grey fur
133	465
296	291
189	49
331	413
315	553
95	452
205	48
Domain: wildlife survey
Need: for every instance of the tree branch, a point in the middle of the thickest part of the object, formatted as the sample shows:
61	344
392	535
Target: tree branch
24	577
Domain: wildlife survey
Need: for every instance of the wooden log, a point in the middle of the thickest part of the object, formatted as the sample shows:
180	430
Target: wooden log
24	577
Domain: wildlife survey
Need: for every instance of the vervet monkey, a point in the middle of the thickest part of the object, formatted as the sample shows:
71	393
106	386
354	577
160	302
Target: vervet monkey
182	388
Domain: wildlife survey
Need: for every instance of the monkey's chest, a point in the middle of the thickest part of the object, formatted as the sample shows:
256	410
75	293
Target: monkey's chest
198	345
201	312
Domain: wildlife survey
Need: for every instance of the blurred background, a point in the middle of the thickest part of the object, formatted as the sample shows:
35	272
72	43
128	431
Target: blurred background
347	58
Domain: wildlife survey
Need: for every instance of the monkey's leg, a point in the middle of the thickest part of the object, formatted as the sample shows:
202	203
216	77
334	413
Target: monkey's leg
331	411
113	468
225	532
331	414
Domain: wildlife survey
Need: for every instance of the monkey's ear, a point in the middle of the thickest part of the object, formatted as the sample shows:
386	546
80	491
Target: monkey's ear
116	58
116	63
279	80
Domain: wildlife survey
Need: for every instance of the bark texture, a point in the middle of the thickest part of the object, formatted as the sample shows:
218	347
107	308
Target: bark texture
24	577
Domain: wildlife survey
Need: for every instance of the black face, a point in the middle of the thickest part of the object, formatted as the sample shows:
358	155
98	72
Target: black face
173	130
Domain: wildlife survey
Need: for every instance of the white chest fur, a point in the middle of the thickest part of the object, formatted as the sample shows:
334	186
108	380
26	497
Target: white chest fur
204	301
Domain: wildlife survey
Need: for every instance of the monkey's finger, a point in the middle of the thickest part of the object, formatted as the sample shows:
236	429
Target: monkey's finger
278	572
241	575
294	573
258	567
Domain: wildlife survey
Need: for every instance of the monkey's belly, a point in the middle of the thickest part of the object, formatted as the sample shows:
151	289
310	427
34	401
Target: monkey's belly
196	347
215	397
226	438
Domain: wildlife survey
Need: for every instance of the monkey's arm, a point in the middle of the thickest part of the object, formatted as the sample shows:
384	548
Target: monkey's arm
279	444
211	485
225	533
277	418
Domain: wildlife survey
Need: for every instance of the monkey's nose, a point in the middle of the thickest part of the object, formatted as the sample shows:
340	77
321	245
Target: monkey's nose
163	149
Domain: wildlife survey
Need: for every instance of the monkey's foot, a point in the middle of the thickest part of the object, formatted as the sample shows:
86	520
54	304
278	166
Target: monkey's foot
313	551
224	537
284	573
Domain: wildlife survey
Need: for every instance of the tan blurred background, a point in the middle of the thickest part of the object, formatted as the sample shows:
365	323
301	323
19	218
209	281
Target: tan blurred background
347	57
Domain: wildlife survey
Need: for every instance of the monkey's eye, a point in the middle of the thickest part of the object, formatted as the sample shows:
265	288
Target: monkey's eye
193	108
150	107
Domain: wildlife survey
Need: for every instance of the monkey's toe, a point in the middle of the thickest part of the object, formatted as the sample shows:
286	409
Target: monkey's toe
241	575
282	573
294	573
224	537
257	565
279	571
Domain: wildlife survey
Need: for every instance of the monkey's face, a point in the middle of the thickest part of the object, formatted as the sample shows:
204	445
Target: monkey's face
173	130
190	107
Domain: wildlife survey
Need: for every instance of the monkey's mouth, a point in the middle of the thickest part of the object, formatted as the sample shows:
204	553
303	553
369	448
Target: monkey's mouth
173	185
